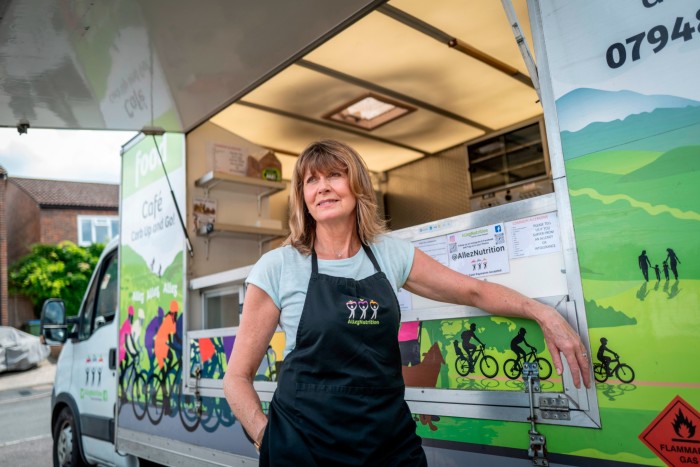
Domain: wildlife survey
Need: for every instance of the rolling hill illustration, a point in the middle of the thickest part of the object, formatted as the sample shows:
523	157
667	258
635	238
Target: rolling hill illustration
138	276
582	106
632	164
625	120
633	181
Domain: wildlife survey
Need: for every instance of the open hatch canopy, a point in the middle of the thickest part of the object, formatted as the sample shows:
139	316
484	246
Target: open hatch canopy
277	73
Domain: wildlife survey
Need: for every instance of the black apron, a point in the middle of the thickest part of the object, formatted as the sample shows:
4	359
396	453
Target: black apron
340	394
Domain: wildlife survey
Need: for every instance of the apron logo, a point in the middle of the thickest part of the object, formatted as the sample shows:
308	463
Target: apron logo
363	305
374	306
352	306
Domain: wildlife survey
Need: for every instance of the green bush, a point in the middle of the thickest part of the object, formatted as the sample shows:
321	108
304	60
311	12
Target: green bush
55	271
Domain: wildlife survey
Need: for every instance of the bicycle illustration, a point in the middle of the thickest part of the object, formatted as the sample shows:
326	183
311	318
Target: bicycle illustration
208	413
132	381
513	367
487	364
623	371
191	407
161	385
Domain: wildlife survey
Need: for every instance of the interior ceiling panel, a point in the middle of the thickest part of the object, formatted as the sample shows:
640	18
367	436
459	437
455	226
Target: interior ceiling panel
427	131
482	24
305	92
292	135
457	97
383	51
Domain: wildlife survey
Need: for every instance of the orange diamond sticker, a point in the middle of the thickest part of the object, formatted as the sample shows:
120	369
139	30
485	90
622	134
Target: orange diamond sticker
674	435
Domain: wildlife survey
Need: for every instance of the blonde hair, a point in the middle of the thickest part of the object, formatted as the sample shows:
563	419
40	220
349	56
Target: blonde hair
324	156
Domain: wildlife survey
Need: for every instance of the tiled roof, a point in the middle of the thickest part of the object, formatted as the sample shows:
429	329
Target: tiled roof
69	194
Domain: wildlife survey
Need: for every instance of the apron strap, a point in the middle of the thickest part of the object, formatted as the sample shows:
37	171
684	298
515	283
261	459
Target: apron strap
314	263
368	250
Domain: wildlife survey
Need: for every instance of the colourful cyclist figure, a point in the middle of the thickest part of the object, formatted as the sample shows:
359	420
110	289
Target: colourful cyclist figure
150	335
163	339
207	350
132	339
604	359
515	344
467	336
125	333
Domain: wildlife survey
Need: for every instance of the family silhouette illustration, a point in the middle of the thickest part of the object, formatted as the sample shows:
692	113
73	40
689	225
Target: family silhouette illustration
669	266
671	262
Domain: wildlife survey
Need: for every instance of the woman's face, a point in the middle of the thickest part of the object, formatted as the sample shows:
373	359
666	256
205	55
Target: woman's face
328	196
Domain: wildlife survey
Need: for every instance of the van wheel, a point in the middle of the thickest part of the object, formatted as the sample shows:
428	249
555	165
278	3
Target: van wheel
66	450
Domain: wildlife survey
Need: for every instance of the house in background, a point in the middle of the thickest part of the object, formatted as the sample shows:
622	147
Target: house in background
48	211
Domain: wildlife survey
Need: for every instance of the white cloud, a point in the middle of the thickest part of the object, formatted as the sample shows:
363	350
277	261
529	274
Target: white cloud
73	155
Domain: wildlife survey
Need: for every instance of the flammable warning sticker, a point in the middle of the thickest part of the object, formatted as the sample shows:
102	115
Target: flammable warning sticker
674	434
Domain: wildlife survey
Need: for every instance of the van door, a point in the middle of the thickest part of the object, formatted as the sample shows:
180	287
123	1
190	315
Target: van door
94	374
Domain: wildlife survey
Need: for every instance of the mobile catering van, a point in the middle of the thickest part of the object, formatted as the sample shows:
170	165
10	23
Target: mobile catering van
549	146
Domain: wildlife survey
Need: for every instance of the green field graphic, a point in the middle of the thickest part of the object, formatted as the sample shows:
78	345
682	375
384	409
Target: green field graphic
633	185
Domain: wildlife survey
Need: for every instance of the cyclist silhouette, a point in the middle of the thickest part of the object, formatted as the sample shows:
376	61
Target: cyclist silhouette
644	264
515	344
468	346
604	359
673	261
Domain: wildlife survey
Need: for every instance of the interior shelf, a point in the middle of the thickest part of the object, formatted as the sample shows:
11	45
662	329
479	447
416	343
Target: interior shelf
250	232
239	184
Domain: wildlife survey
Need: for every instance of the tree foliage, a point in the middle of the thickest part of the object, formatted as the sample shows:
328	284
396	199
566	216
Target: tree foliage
55	271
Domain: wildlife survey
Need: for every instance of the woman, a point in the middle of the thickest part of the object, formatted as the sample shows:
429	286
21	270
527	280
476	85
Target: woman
332	288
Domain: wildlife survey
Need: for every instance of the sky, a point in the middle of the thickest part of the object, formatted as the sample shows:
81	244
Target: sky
71	155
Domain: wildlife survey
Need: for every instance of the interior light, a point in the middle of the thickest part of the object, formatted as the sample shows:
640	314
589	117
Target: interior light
369	112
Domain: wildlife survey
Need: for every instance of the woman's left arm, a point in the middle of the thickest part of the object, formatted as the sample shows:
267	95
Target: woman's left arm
430	279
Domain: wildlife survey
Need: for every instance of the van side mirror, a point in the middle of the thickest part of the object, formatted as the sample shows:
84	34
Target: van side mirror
53	321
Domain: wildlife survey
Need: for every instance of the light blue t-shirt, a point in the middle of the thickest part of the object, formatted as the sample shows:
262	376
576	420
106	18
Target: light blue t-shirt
284	275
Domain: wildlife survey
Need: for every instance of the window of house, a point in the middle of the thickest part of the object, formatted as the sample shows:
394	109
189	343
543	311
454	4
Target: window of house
97	229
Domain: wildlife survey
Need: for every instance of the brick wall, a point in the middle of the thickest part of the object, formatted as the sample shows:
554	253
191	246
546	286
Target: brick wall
62	224
22	224
22	217
20	310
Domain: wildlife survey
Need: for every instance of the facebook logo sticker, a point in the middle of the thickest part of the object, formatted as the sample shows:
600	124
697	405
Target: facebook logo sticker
498	228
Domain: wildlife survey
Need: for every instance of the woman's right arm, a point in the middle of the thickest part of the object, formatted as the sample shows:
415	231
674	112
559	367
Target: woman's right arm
258	323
